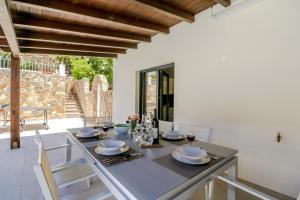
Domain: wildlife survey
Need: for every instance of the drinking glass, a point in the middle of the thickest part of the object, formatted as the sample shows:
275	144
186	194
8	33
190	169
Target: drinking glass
190	138
105	129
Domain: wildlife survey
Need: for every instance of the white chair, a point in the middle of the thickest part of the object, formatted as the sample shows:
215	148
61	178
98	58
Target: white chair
204	135
51	180
201	134
165	126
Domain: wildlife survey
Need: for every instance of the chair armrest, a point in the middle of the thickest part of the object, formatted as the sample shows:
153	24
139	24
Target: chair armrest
245	188
63	166
59	147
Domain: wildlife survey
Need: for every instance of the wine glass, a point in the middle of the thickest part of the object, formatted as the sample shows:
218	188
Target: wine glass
190	138
105	128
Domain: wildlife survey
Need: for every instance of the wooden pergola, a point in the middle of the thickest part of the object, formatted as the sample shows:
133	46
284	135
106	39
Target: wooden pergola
102	28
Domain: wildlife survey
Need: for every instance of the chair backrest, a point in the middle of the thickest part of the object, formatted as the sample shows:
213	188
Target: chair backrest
44	173
201	134
165	126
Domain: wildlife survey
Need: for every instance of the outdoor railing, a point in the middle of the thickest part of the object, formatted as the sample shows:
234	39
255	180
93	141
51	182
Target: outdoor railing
31	66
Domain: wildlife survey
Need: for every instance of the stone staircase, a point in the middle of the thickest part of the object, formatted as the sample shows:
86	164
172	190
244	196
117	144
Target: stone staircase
72	106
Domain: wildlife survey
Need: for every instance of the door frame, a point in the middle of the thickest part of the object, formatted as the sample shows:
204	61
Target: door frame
140	86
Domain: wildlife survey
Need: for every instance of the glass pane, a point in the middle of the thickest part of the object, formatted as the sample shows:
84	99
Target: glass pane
167	94
151	91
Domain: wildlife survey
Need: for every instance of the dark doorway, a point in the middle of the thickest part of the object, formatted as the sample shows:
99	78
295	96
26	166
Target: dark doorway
157	91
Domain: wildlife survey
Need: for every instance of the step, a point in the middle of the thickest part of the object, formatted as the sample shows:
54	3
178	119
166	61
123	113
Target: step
71	101
72	107
73	115
73	110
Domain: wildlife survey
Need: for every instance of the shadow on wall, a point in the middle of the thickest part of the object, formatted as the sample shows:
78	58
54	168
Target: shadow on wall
97	101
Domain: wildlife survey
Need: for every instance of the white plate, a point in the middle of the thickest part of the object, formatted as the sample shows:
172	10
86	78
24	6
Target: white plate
173	136
100	151
87	136
191	153
88	132
111	145
180	158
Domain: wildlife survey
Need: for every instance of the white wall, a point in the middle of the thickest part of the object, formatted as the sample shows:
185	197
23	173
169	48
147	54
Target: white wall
239	75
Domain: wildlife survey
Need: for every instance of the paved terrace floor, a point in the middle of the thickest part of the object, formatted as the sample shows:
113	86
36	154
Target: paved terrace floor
17	178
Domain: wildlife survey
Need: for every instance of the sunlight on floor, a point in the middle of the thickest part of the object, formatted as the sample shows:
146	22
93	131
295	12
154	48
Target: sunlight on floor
55	126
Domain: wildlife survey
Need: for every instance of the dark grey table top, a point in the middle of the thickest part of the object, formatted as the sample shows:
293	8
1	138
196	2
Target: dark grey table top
146	179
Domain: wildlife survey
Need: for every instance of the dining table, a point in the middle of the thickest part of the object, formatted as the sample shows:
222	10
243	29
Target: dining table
155	174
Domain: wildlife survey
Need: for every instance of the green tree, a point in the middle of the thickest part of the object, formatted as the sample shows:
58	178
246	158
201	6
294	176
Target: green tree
88	67
102	66
81	69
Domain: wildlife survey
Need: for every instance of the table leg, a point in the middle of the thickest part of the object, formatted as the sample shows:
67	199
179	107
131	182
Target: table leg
233	174
211	189
68	151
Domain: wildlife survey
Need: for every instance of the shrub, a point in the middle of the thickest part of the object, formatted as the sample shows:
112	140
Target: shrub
88	67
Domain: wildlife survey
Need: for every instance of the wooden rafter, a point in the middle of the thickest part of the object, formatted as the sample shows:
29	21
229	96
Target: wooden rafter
72	53
1	33
39	36
3	42
224	3
68	47
39	24
167	10
94	14
63	52
8	28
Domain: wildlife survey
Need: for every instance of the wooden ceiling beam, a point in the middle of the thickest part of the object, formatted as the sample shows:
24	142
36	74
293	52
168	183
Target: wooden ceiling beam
3	42
68	47
91	13
224	3
26	22
46	37
167	10
8	28
1	33
62	52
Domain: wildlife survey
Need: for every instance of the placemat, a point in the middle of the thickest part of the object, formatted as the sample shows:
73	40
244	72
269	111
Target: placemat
100	158
175	142
184	169
88	139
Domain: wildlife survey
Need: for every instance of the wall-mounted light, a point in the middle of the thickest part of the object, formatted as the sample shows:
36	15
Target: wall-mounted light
235	8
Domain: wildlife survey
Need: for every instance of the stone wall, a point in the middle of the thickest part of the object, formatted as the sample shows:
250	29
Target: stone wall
37	89
97	101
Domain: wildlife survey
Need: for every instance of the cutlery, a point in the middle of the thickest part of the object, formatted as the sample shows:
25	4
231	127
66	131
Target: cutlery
126	157
214	156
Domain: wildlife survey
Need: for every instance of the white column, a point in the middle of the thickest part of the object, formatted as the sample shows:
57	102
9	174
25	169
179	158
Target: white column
62	69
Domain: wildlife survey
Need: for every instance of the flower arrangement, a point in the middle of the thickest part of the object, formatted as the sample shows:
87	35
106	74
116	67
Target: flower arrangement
133	120
134	117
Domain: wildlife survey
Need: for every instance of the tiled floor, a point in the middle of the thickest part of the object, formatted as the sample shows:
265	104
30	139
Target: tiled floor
17	178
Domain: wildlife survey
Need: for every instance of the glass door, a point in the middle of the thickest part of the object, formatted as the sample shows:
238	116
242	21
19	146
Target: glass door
157	91
151	83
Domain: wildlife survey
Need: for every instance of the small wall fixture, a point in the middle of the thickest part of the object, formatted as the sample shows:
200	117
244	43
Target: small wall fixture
278	137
